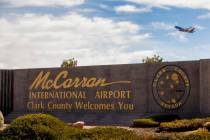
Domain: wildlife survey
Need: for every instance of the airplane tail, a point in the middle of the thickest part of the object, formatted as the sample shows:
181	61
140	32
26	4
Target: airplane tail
193	30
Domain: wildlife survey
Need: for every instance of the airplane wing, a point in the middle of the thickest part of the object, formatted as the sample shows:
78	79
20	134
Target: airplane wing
189	28
179	28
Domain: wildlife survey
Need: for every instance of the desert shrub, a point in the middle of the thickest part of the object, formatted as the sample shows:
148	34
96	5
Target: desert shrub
197	135
164	136
207	125
145	122
99	133
70	133
34	127
165	117
194	135
154	121
200	134
182	125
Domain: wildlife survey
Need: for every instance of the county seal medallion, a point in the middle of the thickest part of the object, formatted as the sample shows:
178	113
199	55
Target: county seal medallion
171	87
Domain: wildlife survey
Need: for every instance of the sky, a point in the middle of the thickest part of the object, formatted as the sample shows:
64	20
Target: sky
43	33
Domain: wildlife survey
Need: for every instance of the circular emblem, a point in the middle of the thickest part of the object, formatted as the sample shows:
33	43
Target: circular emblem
171	87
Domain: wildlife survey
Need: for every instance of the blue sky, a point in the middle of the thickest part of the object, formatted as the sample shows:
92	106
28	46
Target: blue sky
42	33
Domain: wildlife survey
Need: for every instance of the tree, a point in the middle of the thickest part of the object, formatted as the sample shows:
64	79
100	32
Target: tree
69	63
153	59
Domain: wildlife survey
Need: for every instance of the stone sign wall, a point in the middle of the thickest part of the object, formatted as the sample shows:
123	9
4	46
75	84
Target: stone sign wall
110	94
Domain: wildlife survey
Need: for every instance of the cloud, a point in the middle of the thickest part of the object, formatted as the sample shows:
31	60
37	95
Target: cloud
195	4
171	32
103	6
162	25
169	26
2	65
180	36
199	27
41	40
131	9
40	3
84	10
205	16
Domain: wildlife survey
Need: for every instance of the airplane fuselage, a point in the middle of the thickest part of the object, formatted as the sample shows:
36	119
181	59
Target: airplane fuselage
189	30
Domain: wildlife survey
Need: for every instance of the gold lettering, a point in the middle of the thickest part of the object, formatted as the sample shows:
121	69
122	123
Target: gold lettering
90	106
64	106
126	106
91	82
35	106
116	94
40	80
62	74
57	95
49	84
62	81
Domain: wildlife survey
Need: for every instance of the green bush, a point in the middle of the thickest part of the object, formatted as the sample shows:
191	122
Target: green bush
34	127
145	122
154	121
99	133
71	133
197	135
165	118
182	125
193	135
47	127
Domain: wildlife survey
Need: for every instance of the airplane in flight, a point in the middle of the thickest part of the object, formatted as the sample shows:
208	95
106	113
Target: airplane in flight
188	30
